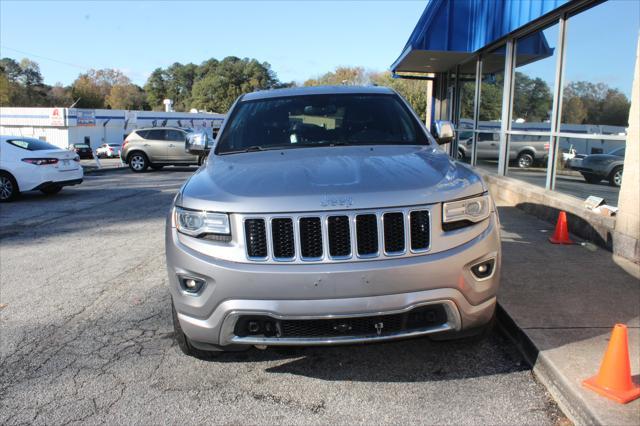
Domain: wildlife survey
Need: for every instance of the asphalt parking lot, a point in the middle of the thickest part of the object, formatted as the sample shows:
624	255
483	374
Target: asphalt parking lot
87	336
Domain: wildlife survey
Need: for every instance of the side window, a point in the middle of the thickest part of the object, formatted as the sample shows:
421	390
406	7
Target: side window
156	135
175	136
142	133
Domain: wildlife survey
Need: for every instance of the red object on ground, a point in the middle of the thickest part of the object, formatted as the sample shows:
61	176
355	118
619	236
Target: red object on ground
561	235
614	378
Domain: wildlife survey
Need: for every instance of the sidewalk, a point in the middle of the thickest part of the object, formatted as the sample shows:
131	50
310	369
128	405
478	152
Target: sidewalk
560	303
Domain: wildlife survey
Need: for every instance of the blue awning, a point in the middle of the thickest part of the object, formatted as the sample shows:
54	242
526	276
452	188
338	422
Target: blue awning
450	31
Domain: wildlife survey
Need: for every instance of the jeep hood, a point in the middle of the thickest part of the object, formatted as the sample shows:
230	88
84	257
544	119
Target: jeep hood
328	178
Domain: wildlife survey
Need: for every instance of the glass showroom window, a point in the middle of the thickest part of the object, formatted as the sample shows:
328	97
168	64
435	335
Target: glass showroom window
597	81
467	91
533	85
490	113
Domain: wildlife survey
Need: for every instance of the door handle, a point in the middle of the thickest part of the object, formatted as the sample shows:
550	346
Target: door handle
146	144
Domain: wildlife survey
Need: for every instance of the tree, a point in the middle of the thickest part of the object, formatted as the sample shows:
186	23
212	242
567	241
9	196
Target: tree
59	95
6	90
30	73
232	77
573	110
414	91
602	104
615	109
341	75
95	86
126	96
179	80
87	93
11	69
531	99
156	89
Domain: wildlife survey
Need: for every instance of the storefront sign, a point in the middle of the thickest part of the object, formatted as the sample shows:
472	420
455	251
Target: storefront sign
86	118
56	117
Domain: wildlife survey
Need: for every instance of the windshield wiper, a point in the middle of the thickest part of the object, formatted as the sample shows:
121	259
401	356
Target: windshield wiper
252	148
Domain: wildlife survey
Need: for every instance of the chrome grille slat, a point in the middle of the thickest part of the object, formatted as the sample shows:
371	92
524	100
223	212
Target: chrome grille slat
361	235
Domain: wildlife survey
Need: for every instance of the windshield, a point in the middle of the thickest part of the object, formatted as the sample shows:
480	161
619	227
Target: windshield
31	144
619	152
320	120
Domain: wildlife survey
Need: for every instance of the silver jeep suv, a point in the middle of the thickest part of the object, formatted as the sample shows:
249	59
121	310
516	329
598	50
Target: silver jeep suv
156	147
329	215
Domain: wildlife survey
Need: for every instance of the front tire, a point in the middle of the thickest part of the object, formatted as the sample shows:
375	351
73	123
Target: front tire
51	190
8	188
138	162
525	160
615	178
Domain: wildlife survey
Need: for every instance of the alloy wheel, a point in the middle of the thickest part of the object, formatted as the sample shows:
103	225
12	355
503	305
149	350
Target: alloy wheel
617	177
137	162
525	161
6	188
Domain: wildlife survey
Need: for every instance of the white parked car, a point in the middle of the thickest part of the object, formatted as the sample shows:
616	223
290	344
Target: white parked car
108	150
28	164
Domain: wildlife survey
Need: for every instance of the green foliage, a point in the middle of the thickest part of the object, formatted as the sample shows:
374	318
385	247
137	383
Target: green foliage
531	99
594	103
341	75
414	91
126	96
222	83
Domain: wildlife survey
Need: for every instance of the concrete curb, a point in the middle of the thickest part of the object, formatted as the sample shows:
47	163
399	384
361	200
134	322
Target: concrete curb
570	402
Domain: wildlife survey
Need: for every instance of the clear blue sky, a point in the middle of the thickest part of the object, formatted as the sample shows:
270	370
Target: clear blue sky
299	39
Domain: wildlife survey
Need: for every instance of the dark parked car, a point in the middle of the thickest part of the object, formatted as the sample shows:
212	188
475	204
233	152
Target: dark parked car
82	149
596	167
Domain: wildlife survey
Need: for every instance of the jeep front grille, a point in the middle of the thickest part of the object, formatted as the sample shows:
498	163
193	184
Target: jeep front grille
256	238
339	236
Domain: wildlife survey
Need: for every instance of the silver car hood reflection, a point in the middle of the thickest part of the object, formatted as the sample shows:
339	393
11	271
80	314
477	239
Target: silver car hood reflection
328	178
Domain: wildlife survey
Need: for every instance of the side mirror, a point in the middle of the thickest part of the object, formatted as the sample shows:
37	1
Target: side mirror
443	132
198	143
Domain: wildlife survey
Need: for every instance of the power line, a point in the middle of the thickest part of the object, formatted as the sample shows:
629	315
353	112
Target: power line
46	58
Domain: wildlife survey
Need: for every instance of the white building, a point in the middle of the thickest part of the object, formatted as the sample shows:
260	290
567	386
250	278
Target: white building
64	126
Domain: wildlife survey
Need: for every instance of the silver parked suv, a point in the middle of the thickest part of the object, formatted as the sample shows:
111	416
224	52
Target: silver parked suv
329	215
156	147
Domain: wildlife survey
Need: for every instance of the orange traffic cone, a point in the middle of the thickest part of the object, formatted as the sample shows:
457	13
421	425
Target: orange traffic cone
561	235
614	378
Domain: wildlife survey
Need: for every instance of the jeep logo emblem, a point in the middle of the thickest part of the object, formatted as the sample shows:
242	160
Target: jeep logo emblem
342	201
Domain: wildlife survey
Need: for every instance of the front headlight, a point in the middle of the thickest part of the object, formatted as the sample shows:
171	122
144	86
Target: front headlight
198	223
461	213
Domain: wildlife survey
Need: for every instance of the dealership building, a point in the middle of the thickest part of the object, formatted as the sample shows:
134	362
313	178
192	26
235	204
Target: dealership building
551	76
94	127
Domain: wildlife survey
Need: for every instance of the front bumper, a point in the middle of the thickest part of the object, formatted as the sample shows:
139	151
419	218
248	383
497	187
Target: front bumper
325	291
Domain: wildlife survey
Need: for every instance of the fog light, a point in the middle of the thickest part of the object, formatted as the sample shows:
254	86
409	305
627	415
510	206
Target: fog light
191	285
483	269
254	326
